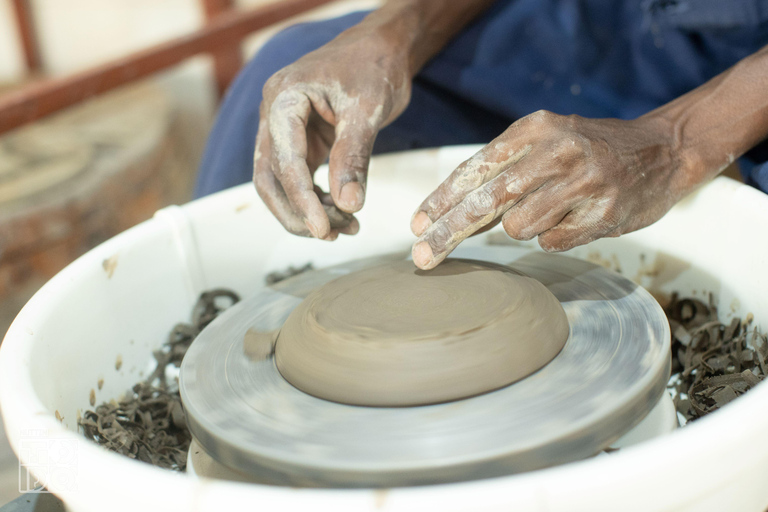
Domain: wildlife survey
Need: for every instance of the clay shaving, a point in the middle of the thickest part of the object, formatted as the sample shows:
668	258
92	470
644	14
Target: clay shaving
148	423
712	363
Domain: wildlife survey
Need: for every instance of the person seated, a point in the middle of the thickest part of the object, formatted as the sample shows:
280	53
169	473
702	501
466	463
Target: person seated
600	115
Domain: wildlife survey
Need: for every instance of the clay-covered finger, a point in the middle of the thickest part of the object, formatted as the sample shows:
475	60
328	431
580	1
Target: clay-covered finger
487	227
352	229
348	162
337	218
332	235
478	209
344	222
481	168
287	126
269	188
537	212
579	227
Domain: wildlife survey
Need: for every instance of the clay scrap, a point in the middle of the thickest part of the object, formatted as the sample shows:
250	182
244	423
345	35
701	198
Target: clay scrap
713	363
148	422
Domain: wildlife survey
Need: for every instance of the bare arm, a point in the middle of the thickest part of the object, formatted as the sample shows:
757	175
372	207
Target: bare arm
571	180
719	121
423	27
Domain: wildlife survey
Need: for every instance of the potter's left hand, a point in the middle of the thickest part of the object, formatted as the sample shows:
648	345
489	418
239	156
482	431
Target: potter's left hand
566	179
570	180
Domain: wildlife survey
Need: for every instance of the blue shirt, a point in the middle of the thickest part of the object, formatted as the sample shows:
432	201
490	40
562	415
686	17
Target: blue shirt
595	58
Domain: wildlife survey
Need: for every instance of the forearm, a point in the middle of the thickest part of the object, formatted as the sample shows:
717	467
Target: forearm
719	121
416	30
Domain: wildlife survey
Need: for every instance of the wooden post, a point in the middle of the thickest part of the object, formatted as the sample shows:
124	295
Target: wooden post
227	61
26	27
48	96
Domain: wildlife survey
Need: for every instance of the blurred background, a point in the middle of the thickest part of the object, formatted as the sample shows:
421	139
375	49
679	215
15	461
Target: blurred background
105	106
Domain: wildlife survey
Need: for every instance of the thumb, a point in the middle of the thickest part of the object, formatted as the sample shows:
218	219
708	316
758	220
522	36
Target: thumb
348	163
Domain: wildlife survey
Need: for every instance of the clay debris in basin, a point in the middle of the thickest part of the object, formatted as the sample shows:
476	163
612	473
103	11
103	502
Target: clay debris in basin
148	423
712	362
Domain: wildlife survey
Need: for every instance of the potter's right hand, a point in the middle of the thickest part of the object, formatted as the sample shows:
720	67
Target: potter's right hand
331	103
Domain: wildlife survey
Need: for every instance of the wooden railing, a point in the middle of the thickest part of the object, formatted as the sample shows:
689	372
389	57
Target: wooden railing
25	26
220	37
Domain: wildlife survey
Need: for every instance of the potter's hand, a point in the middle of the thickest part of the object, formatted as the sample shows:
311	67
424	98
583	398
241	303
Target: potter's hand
568	180
331	103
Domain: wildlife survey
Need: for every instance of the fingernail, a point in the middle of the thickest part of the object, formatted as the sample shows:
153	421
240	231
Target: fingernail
422	254
312	228
351	197
333	235
420	223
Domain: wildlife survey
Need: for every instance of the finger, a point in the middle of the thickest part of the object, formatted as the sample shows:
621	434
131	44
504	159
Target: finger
333	234
352	229
349	160
488	163
337	218
579	227
270	190
537	212
487	227
342	221
287	126
478	209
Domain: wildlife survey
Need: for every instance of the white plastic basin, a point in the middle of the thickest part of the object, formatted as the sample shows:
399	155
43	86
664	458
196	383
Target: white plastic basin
121	299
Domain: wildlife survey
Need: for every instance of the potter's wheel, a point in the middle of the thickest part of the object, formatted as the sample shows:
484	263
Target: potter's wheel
609	375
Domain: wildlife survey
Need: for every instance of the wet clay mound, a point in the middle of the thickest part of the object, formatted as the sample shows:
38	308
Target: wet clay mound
394	335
